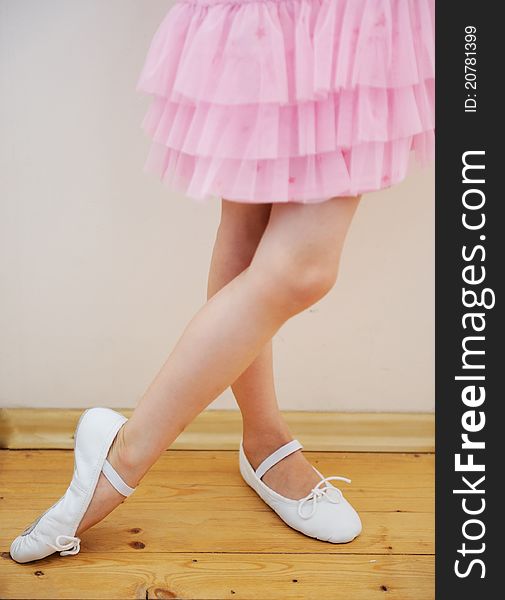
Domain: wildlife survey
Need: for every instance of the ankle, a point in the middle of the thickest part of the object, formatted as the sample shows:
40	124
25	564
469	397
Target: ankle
260	443
128	460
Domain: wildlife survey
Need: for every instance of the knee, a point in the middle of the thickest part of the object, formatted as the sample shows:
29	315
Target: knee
306	284
295	284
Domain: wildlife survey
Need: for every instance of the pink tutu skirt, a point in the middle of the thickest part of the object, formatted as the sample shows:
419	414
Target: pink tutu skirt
289	100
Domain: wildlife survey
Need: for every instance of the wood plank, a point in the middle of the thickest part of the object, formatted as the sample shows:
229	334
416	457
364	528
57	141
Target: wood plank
380	482
206	576
226	461
232	497
168	529
222	429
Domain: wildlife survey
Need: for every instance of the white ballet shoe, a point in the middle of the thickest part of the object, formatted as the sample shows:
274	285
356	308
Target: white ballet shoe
54	530
323	514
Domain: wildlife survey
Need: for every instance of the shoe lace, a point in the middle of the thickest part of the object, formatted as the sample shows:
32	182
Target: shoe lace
317	492
71	546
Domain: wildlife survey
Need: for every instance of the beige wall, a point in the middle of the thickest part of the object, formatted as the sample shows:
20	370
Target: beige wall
101	267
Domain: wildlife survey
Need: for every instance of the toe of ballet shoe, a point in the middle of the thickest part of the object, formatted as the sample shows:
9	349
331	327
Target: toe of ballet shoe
334	523
39	544
346	528
19	552
25	549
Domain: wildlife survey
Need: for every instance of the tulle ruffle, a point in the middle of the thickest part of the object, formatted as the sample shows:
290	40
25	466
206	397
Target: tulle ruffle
269	130
289	100
313	178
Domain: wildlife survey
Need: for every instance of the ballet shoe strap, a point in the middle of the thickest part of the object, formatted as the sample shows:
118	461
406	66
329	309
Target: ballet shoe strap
116	480
277	456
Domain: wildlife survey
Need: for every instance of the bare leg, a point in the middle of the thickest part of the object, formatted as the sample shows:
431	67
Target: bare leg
238	236
264	428
296	264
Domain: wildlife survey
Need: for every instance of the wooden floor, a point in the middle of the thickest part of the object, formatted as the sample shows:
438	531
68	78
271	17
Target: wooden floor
194	529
